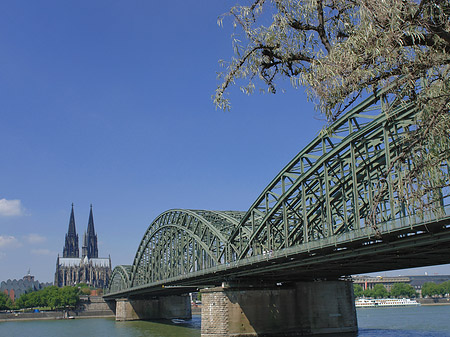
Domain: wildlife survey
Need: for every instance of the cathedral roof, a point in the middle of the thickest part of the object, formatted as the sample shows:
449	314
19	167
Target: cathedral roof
100	262
69	261
76	262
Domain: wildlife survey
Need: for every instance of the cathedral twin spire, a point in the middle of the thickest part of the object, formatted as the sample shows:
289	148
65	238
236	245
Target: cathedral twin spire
89	248
71	244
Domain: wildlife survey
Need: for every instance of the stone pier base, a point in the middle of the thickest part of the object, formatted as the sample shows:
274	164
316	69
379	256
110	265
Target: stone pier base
167	307
305	308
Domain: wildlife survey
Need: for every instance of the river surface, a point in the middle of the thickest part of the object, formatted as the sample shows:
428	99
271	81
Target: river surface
429	321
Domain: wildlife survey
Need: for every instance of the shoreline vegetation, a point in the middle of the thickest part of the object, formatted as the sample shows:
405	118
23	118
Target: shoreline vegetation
55	303
434	301
51	315
430	291
87	307
84	314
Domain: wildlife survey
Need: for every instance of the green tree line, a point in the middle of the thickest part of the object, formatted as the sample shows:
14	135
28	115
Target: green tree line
432	289
52	297
429	289
379	291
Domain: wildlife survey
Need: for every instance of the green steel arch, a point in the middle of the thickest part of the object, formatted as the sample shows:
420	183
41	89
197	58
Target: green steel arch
120	279
339	188
330	187
179	242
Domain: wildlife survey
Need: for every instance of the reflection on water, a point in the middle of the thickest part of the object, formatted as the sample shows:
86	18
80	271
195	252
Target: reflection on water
188	328
100	327
429	321
424	321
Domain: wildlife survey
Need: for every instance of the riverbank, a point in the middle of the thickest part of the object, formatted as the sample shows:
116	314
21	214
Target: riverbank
434	301
89	307
51	315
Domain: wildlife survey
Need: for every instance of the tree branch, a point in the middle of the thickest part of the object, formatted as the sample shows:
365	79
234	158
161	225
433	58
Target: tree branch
321	27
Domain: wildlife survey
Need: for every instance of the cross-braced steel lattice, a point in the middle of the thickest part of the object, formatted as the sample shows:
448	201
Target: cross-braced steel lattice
179	242
338	192
120	278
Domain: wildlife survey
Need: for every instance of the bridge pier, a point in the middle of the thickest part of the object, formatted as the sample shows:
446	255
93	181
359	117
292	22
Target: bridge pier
166	307
304	308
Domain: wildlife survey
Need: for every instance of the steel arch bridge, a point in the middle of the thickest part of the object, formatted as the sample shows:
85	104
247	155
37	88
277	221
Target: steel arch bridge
332	211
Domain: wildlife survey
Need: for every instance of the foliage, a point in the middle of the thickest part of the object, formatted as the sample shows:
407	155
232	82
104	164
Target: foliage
402	290
429	289
432	289
85	291
340	49
3	301
52	297
378	291
358	290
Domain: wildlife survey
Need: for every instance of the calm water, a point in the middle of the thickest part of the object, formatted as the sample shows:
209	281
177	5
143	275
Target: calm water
422	321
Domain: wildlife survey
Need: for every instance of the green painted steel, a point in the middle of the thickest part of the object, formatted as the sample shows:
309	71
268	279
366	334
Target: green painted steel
184	241
330	197
120	278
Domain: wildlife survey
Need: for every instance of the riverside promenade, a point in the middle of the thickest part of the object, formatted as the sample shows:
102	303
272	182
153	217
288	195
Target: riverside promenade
89	307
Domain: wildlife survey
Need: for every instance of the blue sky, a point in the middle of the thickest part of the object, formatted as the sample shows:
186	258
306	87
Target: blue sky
109	103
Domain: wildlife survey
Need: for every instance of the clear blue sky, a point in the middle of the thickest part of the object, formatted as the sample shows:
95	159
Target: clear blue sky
109	103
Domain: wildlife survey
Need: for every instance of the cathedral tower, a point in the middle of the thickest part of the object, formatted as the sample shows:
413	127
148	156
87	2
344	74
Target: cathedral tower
90	240
71	245
90	269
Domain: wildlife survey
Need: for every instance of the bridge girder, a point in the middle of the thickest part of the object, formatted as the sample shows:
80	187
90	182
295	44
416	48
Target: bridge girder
330	197
329	187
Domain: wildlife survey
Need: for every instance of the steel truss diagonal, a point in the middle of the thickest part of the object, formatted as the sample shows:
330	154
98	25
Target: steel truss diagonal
120	278
334	203
180	242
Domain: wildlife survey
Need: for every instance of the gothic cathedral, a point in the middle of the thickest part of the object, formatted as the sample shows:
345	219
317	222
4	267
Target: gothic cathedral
89	269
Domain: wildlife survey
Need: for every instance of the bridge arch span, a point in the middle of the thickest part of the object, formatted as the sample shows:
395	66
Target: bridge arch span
330	186
336	197
181	241
120	278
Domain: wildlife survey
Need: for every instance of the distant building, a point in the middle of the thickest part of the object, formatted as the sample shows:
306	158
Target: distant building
369	282
89	269
15	288
416	281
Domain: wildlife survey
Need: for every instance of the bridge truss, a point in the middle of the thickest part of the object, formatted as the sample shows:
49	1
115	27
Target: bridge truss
336	200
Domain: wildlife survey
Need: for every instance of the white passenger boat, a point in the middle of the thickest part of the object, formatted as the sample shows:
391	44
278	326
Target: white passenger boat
365	303
385	302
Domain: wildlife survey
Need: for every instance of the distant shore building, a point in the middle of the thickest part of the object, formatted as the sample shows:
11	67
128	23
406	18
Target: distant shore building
416	281
90	269
15	288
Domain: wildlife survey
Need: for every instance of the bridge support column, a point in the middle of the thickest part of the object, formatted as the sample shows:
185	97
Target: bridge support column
305	308
166	307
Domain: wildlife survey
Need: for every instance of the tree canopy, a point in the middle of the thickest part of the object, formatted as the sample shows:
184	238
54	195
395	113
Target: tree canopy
341	49
51	296
402	290
358	290
5	301
380	291
432	289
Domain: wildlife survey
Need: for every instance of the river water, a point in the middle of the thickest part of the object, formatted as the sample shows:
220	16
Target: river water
429	321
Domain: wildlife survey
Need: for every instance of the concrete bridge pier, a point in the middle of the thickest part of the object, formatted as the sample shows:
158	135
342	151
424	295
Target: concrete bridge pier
301	309
166	307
